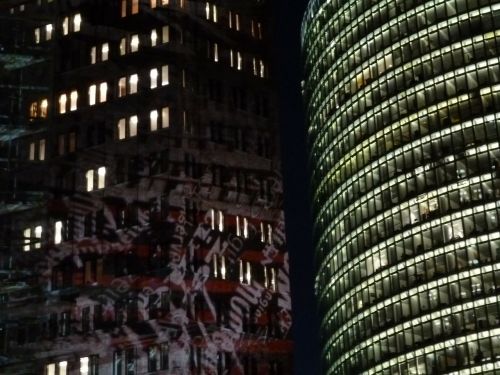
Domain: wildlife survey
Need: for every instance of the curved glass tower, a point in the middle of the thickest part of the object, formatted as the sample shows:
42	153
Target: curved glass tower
403	105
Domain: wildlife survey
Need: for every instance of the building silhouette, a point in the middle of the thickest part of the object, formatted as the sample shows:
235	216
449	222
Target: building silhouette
402	106
141	224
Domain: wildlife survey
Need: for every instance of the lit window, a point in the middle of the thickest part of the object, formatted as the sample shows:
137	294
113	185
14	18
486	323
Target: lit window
164	2
248	273
165	117
252	28
270	278
123	46
38	236
261	69
123	8
240	61
63	99
134	43
153	4
132	122
238	228
27	239
34	109
215	265
37	35
103	91
231	58
154	38
269	234
63	368
84	366
92	94
153	76
212	218
122	87
237	17
245	272
51	369
214	13
259	30
220	217
105	52
254	64
65	26
245	227
133	80
32	151
89	176
230	18
101	177
48	31
41	149
77	22
44	105
58	232
207	10
153	120
216	52
165	34
223	267
219	266
93	55
121	129
164	75
135	6
74	101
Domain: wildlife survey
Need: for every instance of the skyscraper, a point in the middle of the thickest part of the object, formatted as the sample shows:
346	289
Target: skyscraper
403	112
141	224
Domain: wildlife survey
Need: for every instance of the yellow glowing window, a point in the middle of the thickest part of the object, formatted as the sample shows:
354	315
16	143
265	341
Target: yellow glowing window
165	117
77	22
92	94
135	6
73	100
134	43
58	232
41	150
65	26
133	121
133	81
164	75
103	91
63	99
153	76
105	52
38	236
101	177
154	38
48	31
121	129
153	120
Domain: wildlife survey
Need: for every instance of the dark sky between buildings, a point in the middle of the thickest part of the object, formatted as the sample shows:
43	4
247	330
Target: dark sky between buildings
287	20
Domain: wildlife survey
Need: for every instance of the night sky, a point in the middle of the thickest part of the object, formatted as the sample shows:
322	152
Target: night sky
287	19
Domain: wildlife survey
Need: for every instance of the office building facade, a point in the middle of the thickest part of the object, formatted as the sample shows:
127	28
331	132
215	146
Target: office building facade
403	113
142	226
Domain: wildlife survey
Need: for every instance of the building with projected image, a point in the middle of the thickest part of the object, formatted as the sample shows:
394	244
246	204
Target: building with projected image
141	223
403	109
